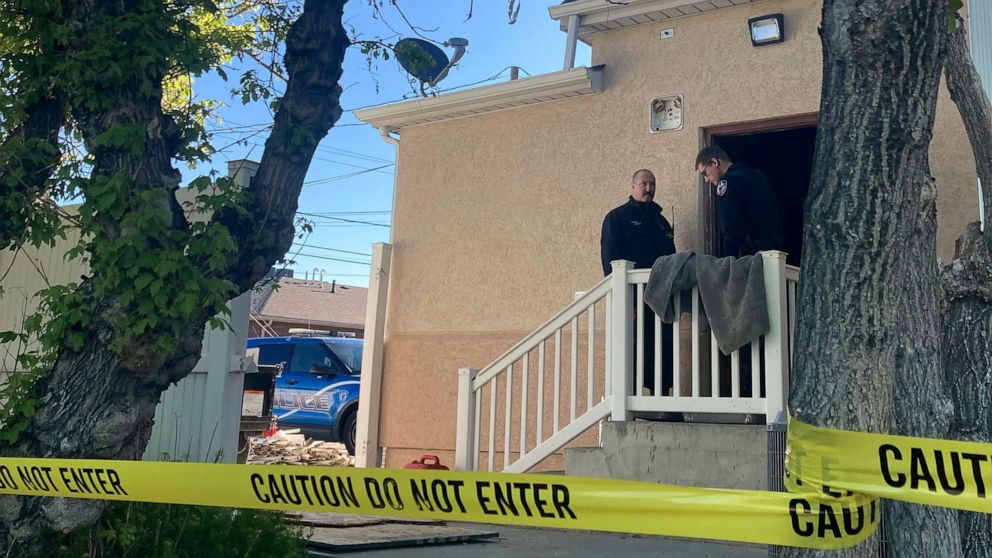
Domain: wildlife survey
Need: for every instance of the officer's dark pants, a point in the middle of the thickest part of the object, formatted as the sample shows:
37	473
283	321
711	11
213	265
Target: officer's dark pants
649	356
745	373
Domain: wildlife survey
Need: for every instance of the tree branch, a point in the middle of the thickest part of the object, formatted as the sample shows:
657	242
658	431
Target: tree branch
31	154
315	49
966	90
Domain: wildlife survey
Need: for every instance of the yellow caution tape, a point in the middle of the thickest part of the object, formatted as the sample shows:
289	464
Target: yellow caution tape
944	473
807	520
834	477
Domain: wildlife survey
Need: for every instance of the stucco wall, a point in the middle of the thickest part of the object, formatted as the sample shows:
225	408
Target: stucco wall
497	217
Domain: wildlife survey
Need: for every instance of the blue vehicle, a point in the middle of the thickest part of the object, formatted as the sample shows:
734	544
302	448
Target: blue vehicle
317	390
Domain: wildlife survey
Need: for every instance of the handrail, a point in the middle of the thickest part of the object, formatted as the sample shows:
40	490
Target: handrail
792	273
758	373
560	438
546	329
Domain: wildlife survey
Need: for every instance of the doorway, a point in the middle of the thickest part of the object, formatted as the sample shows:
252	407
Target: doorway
783	150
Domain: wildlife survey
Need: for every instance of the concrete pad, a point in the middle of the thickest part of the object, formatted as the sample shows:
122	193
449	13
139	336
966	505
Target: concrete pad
522	542
393	535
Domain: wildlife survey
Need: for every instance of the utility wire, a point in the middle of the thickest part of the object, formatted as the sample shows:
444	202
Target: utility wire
330	258
341	219
329	179
330	249
343	176
328	213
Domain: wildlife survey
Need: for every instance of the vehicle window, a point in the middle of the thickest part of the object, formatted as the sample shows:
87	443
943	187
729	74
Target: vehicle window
308	355
350	355
273	354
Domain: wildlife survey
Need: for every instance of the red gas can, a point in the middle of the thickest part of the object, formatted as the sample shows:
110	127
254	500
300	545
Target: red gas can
426	462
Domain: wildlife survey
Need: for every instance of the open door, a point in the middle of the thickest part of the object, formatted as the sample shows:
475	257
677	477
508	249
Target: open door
783	150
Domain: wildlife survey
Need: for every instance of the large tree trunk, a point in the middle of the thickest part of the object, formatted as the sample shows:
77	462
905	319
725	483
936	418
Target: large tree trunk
881	70
967	285
99	401
921	406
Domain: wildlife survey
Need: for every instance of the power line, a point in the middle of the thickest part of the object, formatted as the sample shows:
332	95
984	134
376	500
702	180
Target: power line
237	139
332	275
350	164
301	245
328	213
341	219
330	258
343	176
354	154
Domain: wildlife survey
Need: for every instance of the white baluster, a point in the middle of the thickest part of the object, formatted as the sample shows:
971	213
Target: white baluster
621	364
508	417
466	420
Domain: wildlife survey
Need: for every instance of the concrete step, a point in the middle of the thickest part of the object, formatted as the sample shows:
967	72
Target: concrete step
687	454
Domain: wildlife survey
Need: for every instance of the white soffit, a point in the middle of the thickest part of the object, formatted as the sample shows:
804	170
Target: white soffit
481	100
604	15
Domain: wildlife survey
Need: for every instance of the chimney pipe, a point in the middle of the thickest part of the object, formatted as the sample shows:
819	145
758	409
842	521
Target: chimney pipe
334	283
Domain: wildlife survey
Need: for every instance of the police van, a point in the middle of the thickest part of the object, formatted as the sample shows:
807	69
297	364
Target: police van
317	390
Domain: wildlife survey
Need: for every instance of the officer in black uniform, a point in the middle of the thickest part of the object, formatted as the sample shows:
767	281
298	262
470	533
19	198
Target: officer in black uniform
747	222
746	206
637	231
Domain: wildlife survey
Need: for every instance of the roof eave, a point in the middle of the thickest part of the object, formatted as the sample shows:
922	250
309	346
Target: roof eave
603	15
481	100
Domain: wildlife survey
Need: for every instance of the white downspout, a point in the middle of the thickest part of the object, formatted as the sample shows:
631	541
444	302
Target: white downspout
387	136
570	42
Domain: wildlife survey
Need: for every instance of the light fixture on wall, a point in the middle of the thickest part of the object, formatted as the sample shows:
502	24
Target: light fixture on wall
767	29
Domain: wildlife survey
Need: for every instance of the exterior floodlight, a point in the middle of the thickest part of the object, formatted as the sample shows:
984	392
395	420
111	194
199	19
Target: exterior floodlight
766	30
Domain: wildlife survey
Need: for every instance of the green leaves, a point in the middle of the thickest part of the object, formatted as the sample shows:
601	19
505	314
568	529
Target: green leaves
954	6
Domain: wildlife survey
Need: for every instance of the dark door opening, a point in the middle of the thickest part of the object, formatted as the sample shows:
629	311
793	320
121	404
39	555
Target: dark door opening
786	158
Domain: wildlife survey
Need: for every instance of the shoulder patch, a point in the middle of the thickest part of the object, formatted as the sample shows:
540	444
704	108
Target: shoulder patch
721	187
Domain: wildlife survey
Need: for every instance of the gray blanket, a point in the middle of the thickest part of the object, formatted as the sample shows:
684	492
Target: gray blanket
732	291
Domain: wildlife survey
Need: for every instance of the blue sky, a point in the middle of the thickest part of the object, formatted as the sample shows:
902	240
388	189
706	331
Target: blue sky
351	178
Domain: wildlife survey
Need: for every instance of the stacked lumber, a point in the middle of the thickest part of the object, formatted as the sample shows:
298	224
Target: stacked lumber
289	447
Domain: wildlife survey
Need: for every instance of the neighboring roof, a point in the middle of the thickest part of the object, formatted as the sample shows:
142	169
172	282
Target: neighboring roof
260	293
491	98
604	15
312	303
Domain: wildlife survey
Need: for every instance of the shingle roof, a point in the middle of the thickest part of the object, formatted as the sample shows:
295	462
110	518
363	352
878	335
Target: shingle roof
260	293
299	300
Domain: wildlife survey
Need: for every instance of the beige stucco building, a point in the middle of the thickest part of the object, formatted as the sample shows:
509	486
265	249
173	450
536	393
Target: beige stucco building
501	190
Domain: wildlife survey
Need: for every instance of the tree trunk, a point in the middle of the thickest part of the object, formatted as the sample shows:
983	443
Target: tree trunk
967	290
921	406
881	70
99	401
967	287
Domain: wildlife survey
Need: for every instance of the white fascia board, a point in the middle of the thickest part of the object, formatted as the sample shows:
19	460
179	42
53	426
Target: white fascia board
592	12
491	98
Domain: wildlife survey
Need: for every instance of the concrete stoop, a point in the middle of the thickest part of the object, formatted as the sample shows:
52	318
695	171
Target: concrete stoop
687	454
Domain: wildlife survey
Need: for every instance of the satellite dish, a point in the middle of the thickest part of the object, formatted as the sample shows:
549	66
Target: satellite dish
421	59
425	61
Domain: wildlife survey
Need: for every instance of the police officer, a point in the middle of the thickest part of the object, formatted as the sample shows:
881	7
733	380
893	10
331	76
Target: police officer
746	206
637	231
747	222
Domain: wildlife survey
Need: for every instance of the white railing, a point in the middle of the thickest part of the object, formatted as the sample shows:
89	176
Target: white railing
600	341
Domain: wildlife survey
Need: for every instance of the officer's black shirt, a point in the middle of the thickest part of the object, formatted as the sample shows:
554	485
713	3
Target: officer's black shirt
637	232
747	213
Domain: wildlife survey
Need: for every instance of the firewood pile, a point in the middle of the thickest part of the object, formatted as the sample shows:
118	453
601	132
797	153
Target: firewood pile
289	447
